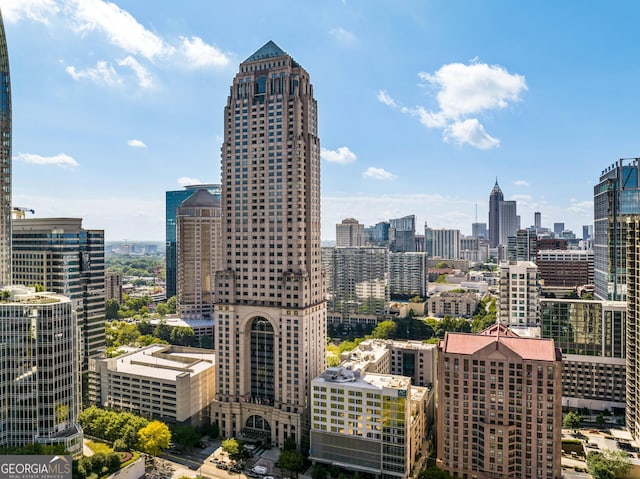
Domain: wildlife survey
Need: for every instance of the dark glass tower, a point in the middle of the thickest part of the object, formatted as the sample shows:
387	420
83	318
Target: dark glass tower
495	198
5	161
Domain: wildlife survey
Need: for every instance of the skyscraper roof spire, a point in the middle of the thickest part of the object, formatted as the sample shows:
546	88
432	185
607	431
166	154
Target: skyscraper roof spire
268	50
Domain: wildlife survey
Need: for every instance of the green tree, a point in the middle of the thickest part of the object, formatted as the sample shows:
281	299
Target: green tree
154	437
205	341
384	330
433	472
171	304
572	421
162	309
292	460
163	331
111	307
319	471
608	464
186	436
600	419
442	264
231	446
182	336
441	278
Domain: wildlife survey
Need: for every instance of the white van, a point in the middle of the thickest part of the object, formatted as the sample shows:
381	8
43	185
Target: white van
259	470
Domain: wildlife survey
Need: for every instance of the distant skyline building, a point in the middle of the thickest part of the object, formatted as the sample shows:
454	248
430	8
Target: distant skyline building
537	219
408	274
113	286
65	258
5	161
558	228
446	243
509	223
495	199
199	237
614	197
271	329
404	230
172	202
380	233
479	230
350	233
565	267
40	383
523	246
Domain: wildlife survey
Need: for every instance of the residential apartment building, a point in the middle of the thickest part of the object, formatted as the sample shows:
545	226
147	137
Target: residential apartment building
369	423
452	303
40	382
199	235
519	294
173	199
5	161
592	338
350	233
408	274
568	267
499	405
271	328
357	281
632	227
614	197
523	246
404	234
65	258
113	286
170	383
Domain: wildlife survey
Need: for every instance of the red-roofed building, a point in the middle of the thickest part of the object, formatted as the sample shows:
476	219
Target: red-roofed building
499	405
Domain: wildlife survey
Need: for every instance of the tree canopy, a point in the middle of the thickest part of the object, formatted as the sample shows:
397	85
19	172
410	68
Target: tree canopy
608	464
154	437
572	421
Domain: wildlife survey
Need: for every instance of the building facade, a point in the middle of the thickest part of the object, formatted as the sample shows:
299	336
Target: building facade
5	161
565	267
523	246
495	199
40	382
113	286
499	406
404	234
614	197
199	235
445	243
408	274
350	233
451	303
173	199
271	309
171	383
63	257
632	227
519	294
509	223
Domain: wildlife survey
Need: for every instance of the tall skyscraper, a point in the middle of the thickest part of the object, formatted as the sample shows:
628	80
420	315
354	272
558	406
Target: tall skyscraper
5	161
633	325
199	231
350	233
519	295
172	202
479	230
495	198
64	258
271	311
613	197
558	228
445	243
509	223
404	234
537	219
40	381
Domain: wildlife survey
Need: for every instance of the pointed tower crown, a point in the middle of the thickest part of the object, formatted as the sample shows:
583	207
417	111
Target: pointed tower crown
496	188
268	50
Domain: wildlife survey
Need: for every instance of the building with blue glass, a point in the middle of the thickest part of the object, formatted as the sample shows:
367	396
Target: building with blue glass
5	161
173	200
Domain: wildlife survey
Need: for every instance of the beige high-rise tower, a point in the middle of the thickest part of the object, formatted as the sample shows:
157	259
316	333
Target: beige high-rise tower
271	313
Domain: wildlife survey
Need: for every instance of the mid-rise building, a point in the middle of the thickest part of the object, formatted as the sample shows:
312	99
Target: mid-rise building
199	235
271	328
558	229
408	275
479	230
495	199
404	231
173	199
369	423
523	246
445	243
171	383
357	281
113	286
591	336
379	234
565	267
452	303
63	257
614	197
519	294
499	405
350	233
40	382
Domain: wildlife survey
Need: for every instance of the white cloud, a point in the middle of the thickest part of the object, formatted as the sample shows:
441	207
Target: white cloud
200	54
344	37
186	181
383	97
342	155
142	74
378	174
62	160
472	132
576	206
36	10
134	143
120	27
101	73
463	93
521	183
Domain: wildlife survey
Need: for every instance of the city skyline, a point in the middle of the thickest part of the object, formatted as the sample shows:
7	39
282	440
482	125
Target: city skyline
406	127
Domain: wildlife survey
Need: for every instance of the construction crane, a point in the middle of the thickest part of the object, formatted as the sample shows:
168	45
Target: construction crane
19	213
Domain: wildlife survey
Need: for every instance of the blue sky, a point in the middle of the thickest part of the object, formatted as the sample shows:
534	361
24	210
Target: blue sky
422	104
